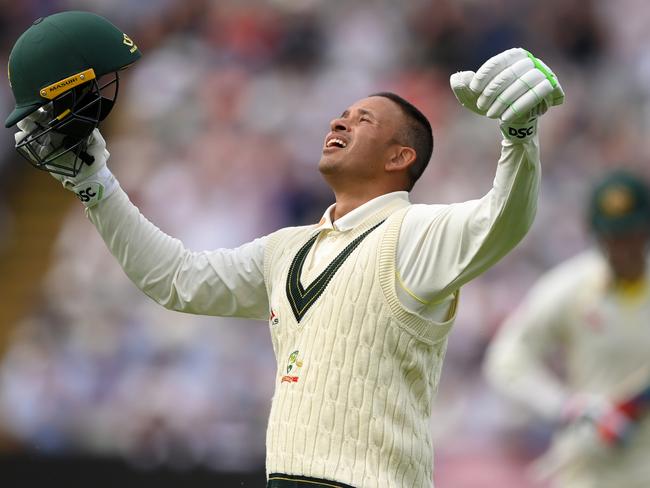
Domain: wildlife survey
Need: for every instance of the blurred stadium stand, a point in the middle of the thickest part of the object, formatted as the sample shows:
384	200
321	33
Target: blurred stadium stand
215	137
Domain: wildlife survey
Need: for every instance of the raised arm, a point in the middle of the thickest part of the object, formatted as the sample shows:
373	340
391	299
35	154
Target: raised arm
442	247
226	282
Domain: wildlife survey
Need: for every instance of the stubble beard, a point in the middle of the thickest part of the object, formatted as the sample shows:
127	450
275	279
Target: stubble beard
326	166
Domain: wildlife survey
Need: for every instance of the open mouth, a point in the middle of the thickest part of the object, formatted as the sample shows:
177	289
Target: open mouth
335	142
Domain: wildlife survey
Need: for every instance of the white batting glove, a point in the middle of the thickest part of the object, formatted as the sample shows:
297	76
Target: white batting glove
612	423
514	87
583	407
94	182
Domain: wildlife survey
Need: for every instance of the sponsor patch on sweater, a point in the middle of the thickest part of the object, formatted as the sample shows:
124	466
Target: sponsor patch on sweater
273	318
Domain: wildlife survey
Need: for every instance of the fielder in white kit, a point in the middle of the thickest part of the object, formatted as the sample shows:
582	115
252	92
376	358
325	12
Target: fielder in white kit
361	304
593	310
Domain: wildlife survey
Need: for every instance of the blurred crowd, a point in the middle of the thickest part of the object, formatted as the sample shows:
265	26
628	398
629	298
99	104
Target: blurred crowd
216	137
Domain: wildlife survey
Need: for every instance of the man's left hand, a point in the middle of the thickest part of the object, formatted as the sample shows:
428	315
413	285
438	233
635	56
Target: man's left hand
514	87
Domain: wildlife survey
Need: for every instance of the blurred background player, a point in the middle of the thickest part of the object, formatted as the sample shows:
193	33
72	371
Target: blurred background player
592	312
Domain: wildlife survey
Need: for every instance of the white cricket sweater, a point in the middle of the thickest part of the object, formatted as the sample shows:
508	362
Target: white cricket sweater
357	372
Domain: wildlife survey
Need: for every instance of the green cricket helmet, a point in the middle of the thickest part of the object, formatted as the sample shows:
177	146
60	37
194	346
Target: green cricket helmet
620	203
59	66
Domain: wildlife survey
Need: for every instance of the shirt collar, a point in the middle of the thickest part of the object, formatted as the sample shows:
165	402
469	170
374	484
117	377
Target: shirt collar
361	213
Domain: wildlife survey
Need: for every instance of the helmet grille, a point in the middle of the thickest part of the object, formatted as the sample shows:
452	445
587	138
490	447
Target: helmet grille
58	145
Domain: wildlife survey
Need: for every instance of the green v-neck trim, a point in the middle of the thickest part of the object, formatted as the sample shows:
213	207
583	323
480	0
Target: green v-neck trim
301	299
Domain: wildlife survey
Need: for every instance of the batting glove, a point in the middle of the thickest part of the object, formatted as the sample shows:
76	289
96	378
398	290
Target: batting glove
514	87
611	423
94	182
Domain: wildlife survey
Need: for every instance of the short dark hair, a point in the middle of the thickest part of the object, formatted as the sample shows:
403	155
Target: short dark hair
417	134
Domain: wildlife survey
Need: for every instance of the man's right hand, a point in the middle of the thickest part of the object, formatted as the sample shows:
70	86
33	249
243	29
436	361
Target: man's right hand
94	182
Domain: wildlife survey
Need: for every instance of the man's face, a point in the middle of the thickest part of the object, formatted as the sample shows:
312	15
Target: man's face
626	253
362	140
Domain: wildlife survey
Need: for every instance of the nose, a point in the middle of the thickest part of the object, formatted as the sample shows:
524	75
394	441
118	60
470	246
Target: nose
339	124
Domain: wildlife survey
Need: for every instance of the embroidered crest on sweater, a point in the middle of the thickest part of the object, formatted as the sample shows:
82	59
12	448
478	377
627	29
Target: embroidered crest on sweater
301	299
294	363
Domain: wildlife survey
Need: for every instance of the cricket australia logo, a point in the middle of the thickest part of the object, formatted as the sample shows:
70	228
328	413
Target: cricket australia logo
294	364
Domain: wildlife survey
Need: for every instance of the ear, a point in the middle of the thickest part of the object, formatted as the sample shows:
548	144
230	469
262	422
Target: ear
401	158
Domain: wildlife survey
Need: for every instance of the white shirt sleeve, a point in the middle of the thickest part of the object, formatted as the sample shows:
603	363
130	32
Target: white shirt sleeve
224	282
442	247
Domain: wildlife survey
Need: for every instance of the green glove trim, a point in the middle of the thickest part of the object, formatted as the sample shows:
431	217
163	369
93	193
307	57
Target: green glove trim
548	73
509	104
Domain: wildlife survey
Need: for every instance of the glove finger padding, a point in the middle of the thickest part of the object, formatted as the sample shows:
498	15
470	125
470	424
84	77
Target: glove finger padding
514	94
27	125
43	143
504	80
517	88
495	65
96	142
32	121
533	82
523	107
20	136
557	97
460	86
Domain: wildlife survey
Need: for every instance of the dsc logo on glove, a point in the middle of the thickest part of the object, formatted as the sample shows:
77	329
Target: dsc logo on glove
86	195
521	133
